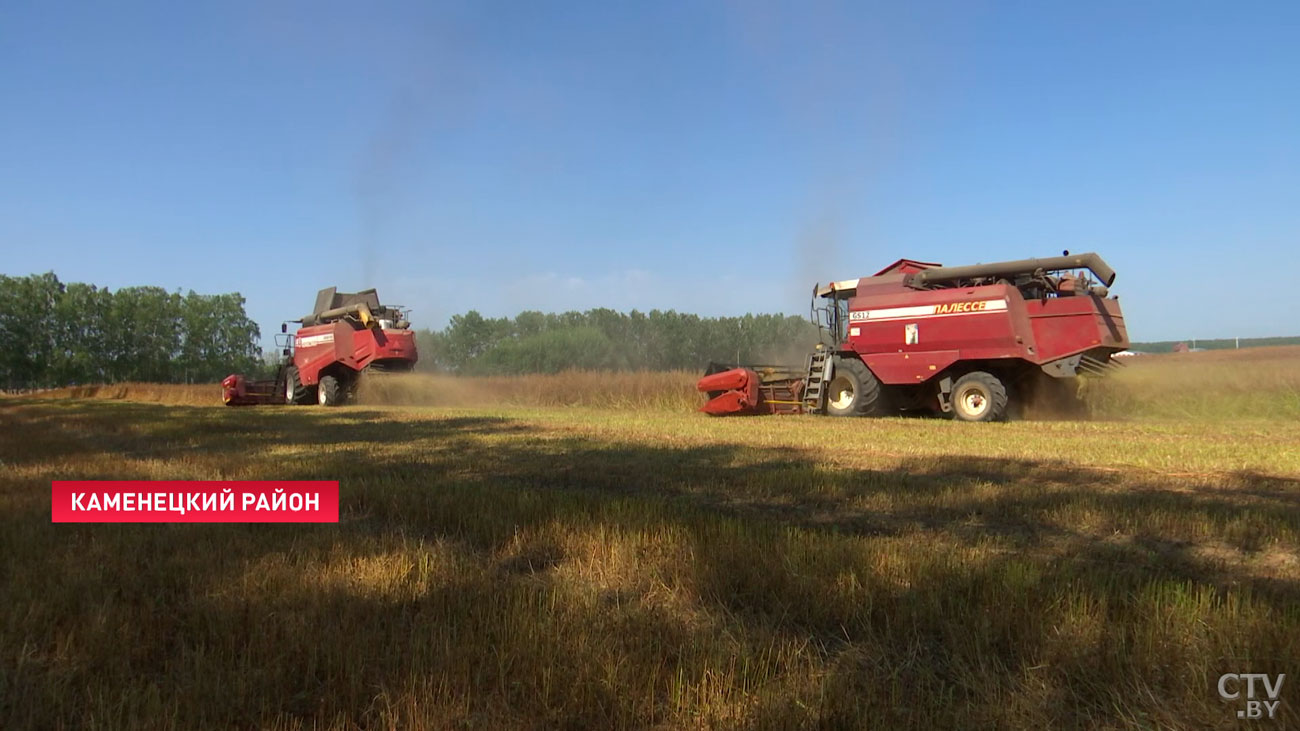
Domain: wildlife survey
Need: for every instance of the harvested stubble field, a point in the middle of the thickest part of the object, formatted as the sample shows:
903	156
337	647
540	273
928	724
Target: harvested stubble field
506	566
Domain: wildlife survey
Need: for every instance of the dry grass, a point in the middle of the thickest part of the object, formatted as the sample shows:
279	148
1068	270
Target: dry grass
1256	383
597	568
200	394
637	390
1251	383
644	390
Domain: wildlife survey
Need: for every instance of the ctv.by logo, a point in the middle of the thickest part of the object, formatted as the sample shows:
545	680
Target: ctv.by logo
1230	685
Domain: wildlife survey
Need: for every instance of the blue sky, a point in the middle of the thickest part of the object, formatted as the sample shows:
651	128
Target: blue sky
714	157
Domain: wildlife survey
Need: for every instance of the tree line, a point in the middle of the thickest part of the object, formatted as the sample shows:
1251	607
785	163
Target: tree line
55	334
604	339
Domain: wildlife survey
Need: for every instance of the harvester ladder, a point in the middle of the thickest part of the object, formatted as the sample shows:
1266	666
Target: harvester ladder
819	371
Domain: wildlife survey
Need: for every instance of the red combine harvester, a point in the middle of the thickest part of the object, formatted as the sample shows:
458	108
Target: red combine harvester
971	341
345	336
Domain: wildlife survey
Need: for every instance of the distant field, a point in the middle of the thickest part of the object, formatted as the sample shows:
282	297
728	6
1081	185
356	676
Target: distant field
641	565
1254	383
671	390
1211	385
1167	346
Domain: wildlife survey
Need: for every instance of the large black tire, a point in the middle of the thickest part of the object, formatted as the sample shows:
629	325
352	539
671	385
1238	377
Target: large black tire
979	396
329	392
854	390
294	392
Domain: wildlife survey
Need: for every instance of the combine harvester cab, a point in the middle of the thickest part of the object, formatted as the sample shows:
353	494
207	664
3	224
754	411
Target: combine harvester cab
345	336
974	342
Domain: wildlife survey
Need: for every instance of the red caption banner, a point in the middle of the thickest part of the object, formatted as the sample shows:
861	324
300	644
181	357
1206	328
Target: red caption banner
181	501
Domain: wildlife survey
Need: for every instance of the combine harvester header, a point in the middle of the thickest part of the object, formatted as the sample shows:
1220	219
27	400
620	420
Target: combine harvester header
970	341
344	337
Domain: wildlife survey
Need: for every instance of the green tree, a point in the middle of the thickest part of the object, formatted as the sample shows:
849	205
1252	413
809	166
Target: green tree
28	329
217	338
82	333
55	334
533	342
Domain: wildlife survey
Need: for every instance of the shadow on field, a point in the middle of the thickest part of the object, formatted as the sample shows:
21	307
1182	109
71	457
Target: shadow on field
487	574
89	428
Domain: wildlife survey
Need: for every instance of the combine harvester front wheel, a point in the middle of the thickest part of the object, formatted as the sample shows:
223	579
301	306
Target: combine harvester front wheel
854	390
